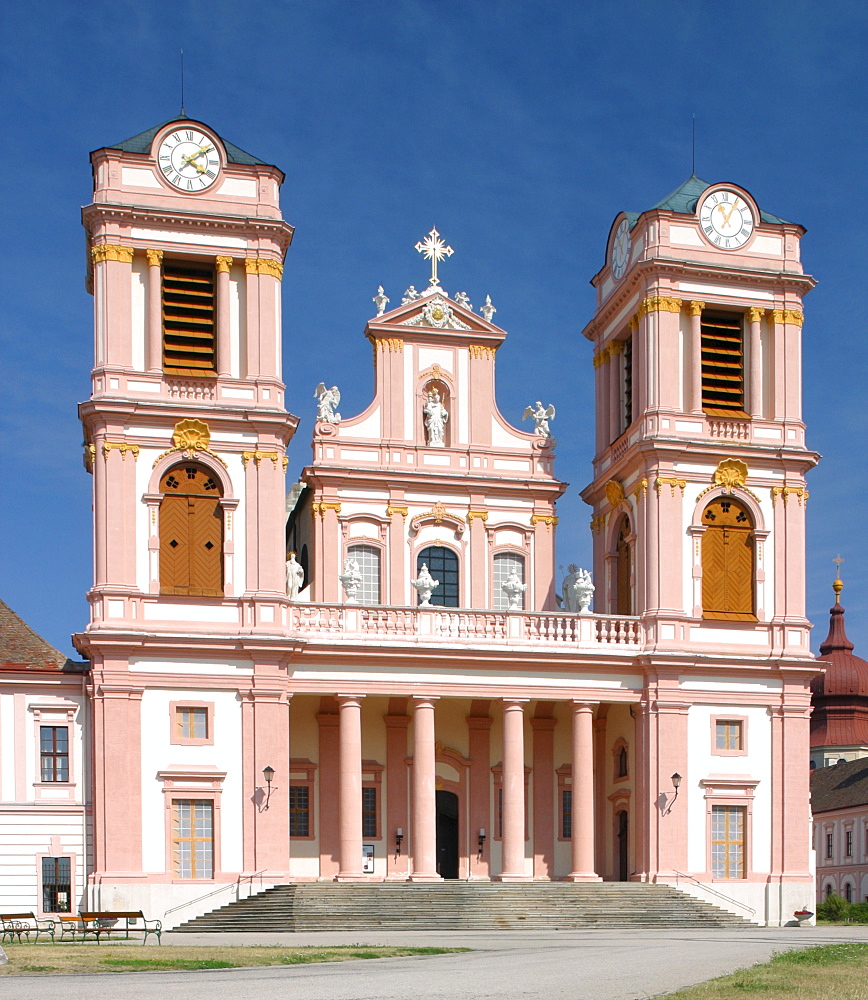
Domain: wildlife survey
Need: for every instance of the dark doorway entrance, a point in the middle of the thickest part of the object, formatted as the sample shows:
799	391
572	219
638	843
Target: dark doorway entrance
623	873
447	834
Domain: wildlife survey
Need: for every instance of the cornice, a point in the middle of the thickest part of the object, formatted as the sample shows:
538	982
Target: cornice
160	414
183	219
638	286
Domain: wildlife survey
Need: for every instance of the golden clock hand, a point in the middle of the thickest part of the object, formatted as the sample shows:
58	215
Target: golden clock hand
188	161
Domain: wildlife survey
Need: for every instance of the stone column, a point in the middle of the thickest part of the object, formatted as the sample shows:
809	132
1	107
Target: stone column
223	360
513	869
154	352
350	810
755	376
694	396
423	842
544	811
583	795
616	349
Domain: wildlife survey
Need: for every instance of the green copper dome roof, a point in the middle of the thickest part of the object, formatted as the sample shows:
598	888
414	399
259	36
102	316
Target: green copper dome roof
684	198
141	143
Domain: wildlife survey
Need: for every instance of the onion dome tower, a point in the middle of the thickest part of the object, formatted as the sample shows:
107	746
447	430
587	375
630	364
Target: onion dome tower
839	724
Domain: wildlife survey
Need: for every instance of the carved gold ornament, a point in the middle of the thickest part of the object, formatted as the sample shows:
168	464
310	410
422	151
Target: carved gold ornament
111	251
258	456
790	317
394	345
155	257
395	509
481	514
478	351
285	463
731	472
598	523
224	264
673	484
320	507
785	492
262	265
615	492
190	436
695	308
659	303
755	315
640	489
120	446
550	520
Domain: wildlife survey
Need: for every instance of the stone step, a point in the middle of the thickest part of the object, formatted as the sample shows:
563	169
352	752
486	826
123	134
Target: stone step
483	906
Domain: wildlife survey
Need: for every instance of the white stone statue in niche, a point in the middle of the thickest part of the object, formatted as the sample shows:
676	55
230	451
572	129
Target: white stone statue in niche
425	586
294	577
541	417
578	590
514	590
351	580
326	401
436	417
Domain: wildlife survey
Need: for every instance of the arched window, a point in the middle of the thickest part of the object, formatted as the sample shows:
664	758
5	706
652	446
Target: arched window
191	532
848	892
368	558
829	890
623	571
622	762
506	563
727	561
442	564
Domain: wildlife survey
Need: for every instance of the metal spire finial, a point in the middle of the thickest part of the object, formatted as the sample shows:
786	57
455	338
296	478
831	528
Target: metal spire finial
838	584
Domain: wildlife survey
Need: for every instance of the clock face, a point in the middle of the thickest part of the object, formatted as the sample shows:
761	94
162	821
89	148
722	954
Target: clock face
621	249
726	218
189	160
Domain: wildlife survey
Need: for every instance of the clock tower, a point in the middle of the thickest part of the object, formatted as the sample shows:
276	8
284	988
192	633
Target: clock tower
185	436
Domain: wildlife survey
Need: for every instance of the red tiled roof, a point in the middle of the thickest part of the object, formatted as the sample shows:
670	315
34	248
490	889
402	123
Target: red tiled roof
840	786
22	649
840	694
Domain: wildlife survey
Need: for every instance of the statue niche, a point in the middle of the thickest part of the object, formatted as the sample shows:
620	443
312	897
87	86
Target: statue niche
435	409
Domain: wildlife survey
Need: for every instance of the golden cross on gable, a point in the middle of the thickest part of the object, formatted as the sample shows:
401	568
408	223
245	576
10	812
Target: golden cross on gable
434	250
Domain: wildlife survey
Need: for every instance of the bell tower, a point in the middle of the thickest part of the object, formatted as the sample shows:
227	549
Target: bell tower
185	436
699	492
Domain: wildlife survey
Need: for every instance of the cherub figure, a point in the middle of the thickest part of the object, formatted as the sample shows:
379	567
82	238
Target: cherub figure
541	417
463	300
409	296
327	400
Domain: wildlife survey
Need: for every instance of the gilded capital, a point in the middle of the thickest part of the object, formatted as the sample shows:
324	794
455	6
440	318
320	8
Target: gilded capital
223	264
659	303
260	265
755	315
155	257
111	251
695	307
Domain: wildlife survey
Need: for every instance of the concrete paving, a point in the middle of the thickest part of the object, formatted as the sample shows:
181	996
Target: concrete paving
526	965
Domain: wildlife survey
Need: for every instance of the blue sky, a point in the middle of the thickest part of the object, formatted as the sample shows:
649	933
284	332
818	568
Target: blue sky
518	129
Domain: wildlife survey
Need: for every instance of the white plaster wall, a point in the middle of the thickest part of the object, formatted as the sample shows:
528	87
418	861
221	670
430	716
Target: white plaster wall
757	764
237	320
139	310
25	834
159	754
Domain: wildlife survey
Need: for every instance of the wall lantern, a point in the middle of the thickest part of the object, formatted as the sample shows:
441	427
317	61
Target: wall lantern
399	836
268	774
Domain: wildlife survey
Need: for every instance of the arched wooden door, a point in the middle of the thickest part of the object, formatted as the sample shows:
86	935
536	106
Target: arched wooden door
191	532
623	571
727	561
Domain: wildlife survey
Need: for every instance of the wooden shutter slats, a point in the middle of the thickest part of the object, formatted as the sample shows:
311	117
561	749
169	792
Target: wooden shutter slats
722	351
188	319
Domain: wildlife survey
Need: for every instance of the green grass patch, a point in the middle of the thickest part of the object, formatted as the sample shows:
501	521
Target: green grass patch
36	959
822	972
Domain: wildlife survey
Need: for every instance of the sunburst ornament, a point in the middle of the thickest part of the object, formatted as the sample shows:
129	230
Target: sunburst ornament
434	249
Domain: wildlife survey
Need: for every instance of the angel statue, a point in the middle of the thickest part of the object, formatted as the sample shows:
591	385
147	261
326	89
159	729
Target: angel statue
541	417
326	401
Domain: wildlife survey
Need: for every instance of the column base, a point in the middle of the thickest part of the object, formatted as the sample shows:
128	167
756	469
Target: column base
351	877
583	877
425	877
510	877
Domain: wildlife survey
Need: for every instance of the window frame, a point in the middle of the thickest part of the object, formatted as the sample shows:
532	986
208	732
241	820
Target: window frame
186	783
302	774
741	721
190	266
54	755
619	747
73	862
378	548
417	561
730	791
706	320
372	779
175	859
175	737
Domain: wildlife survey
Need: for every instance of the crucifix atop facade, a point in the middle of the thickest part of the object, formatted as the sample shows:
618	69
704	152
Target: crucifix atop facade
434	250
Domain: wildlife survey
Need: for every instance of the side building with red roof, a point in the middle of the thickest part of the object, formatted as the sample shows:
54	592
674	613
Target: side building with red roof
45	829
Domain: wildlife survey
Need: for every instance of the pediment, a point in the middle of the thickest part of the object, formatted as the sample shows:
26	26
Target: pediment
435	311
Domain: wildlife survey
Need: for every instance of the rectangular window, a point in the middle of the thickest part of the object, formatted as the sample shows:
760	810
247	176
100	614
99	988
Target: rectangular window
369	812
848	843
727	734
192	723
627	386
299	811
188	319
54	753
507	564
723	364
727	841
566	814
56	885
829	845
193	838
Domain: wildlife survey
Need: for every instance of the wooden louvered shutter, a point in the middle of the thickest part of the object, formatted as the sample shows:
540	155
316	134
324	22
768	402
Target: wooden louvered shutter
191	533
623	571
723	365
188	320
727	562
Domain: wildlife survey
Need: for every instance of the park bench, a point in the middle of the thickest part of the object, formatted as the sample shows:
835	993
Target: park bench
24	924
117	923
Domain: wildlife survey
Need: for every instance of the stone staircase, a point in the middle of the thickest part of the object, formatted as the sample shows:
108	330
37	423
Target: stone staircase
462	906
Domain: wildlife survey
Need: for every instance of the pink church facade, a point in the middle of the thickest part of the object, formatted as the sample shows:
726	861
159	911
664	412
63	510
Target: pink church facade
256	723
